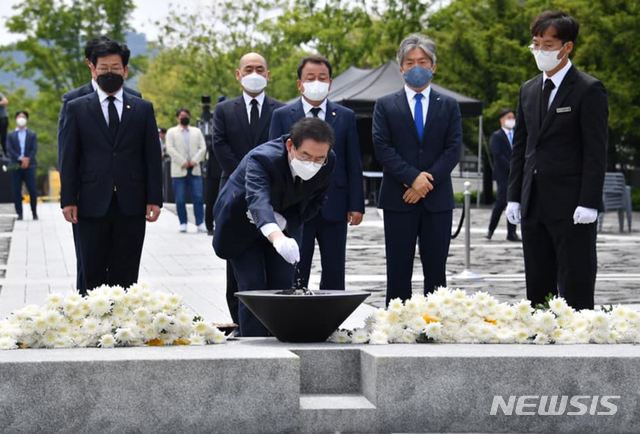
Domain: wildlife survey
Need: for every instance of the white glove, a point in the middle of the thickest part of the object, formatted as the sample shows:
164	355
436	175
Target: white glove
584	215
280	220
513	213
288	249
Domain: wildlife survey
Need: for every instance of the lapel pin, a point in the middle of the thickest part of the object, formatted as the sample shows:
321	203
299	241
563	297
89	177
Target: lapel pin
128	106
333	113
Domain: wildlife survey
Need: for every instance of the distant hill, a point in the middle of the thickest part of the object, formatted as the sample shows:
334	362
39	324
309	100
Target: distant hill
137	43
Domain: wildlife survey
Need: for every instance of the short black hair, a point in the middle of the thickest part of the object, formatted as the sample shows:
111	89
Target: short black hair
23	112
105	48
182	109
505	111
311	128
92	43
162	130
566	26
317	59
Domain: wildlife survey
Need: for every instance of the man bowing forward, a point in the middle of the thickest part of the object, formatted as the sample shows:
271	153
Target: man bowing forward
111	171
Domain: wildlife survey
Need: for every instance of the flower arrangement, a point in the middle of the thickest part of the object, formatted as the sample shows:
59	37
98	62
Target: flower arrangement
107	317
453	316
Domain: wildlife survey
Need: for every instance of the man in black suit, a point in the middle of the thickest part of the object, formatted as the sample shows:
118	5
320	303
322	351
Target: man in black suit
345	198
239	125
22	146
260	212
417	135
110	171
70	96
558	167
500	143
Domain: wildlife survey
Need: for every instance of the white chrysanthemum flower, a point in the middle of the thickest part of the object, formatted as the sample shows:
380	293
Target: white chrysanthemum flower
54	300
433	330
600	321
99	305
396	304
408	337
521	336
201	328
119	310
8	343
545	322
142	315
378	337
125	335
49	338
52	318
195	339
107	341
558	305
217	337
541	339
394	317
523	308
360	336
40	323
340	337
162	322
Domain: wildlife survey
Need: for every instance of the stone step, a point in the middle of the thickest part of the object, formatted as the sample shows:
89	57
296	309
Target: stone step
336	413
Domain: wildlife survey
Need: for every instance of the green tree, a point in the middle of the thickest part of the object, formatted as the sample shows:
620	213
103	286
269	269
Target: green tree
54	34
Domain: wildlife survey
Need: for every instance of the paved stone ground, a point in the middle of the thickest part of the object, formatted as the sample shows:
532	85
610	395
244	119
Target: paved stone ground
41	260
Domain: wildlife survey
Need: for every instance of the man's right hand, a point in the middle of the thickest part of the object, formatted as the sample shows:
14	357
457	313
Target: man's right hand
513	213
423	183
70	213
286	247
411	196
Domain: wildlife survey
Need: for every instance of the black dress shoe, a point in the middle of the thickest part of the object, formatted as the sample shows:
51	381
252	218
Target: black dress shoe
513	237
35	216
19	217
488	236
209	232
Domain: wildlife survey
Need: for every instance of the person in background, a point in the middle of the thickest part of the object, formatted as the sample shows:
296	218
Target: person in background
22	147
186	147
259	214
4	122
501	143
162	135
557	167
239	125
345	198
417	137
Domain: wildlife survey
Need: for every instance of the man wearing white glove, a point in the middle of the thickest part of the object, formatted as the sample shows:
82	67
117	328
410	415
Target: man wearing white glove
557	167
260	211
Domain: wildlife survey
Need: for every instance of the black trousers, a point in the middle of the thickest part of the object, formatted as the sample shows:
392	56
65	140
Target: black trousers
259	267
232	284
110	247
4	124
401	231
80	284
498	208
559	258
28	177
332	242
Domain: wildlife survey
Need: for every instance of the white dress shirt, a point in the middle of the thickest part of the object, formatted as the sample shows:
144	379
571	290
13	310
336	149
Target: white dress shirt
306	107
104	103
412	102
247	103
557	80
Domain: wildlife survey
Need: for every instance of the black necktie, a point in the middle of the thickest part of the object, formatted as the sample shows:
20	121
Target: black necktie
254	119
315	111
546	93
114	120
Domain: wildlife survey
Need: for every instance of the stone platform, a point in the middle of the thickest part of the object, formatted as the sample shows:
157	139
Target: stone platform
260	385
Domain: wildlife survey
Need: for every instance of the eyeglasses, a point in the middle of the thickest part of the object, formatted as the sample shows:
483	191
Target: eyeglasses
318	160
115	69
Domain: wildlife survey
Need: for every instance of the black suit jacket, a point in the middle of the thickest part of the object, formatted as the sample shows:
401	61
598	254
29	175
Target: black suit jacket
403	156
501	155
231	133
565	153
30	147
93	163
263	183
83	90
345	192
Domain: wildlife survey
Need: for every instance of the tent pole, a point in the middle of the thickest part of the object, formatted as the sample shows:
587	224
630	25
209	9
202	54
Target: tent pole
479	175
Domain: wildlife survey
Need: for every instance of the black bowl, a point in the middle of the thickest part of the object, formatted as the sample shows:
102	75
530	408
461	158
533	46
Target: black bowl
302	318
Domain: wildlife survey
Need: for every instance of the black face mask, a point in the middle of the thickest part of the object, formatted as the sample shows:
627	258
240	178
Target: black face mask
110	82
185	121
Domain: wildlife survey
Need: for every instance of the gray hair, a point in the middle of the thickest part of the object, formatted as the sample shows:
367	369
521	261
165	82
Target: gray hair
416	40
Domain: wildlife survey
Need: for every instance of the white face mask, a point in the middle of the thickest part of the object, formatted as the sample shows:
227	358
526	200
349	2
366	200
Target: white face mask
315	90
547	60
21	122
510	124
253	83
305	169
